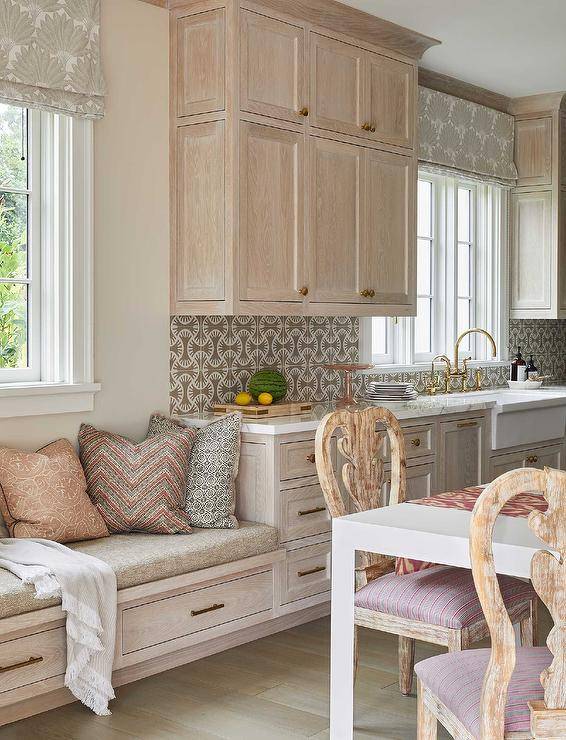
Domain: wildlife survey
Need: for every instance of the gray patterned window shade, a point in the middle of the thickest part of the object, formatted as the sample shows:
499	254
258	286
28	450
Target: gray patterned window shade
456	135
50	56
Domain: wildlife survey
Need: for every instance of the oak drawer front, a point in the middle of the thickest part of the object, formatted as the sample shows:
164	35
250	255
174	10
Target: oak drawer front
419	442
303	513
298	459
32	658
177	616
306	572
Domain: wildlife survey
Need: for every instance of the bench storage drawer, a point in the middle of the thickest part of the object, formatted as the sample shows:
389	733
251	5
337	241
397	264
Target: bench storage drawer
184	614
303	513
306	572
33	658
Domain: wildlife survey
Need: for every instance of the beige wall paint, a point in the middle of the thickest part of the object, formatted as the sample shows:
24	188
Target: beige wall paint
131	234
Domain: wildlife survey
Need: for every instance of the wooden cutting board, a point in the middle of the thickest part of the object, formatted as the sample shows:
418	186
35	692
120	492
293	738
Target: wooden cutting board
257	411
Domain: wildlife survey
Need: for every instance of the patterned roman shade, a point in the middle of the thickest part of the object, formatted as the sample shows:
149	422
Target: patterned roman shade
459	136
50	56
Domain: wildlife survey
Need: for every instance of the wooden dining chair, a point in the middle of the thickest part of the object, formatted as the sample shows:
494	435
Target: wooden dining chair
439	604
505	692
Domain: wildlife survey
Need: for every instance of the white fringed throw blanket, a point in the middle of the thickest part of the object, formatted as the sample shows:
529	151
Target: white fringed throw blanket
87	588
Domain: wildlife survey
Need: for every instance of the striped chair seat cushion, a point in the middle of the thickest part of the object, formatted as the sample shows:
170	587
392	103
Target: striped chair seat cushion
441	595
456	679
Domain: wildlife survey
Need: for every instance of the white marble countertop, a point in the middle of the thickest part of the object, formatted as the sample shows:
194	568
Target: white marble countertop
422	407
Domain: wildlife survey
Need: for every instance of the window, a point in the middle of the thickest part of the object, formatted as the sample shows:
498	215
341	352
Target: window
461	257
45	259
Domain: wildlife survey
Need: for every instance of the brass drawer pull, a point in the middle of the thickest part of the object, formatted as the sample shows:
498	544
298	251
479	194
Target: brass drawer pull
23	664
213	608
311	458
319	569
532	459
312	511
304	112
416	442
464	424
304	291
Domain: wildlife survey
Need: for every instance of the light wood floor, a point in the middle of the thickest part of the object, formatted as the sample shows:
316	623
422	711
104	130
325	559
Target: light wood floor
270	689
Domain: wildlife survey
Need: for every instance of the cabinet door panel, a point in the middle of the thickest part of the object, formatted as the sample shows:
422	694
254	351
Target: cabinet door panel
336	85
562	247
272	67
335	213
389	243
200	63
533	151
461	459
531	245
390	92
421	483
199	266
271	213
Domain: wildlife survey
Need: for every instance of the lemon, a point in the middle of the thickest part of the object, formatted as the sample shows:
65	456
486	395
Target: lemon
265	399
243	399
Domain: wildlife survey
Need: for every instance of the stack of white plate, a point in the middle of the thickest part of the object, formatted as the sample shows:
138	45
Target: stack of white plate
388	393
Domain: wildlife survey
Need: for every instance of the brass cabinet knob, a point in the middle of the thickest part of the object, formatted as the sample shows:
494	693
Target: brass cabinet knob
311	458
365	293
532	459
416	442
372	293
366	126
304	291
372	129
304	112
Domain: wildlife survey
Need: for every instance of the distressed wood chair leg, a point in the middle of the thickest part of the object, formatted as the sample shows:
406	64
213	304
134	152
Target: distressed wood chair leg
406	664
534	620
356	650
527	632
456	641
427	725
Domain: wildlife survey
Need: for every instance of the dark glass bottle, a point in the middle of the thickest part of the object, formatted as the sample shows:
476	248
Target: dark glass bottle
518	367
532	369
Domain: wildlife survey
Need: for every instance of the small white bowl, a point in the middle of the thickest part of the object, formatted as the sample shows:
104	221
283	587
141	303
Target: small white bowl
524	385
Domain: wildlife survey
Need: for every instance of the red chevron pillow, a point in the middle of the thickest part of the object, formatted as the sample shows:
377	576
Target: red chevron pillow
138	487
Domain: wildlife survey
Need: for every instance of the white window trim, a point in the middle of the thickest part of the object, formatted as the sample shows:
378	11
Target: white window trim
66	384
492	294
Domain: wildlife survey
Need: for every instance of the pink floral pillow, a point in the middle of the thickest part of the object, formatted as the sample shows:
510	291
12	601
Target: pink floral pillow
43	495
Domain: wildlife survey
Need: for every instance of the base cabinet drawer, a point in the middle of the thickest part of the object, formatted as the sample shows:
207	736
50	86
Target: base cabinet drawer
178	616
419	442
298	459
303	513
32	658
306	572
551	457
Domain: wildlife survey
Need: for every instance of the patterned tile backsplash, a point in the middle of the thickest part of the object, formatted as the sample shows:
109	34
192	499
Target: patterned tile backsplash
213	357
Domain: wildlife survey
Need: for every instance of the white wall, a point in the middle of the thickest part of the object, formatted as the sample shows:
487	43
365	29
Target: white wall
131	234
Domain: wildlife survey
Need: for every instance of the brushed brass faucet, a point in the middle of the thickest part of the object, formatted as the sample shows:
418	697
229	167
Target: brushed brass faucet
454	370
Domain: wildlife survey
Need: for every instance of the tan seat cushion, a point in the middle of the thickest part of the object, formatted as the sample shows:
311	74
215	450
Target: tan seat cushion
141	558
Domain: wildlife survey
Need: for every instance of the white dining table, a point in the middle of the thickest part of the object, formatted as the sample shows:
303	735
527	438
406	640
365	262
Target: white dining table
427	533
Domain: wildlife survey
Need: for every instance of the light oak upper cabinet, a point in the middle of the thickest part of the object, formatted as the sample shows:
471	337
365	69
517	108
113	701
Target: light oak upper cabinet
390	96
201	75
271	214
531	250
335	226
389	240
336	85
533	151
293	159
538	209
199	257
272	80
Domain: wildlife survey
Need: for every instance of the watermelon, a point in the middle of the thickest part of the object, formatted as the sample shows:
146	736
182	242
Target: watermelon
268	381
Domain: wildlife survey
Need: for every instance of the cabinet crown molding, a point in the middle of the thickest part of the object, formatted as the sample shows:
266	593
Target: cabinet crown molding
538	103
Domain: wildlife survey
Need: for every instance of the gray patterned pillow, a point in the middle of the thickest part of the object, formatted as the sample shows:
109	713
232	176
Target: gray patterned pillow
213	466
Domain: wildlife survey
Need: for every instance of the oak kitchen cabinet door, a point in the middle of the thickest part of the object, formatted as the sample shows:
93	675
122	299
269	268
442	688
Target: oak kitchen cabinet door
336	85
462	454
533	151
531	251
389	242
201	54
336	201
272	200
390	99
273	73
199	254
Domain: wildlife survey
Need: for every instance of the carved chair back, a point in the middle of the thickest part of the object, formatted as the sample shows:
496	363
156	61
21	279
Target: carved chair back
362	446
548	575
